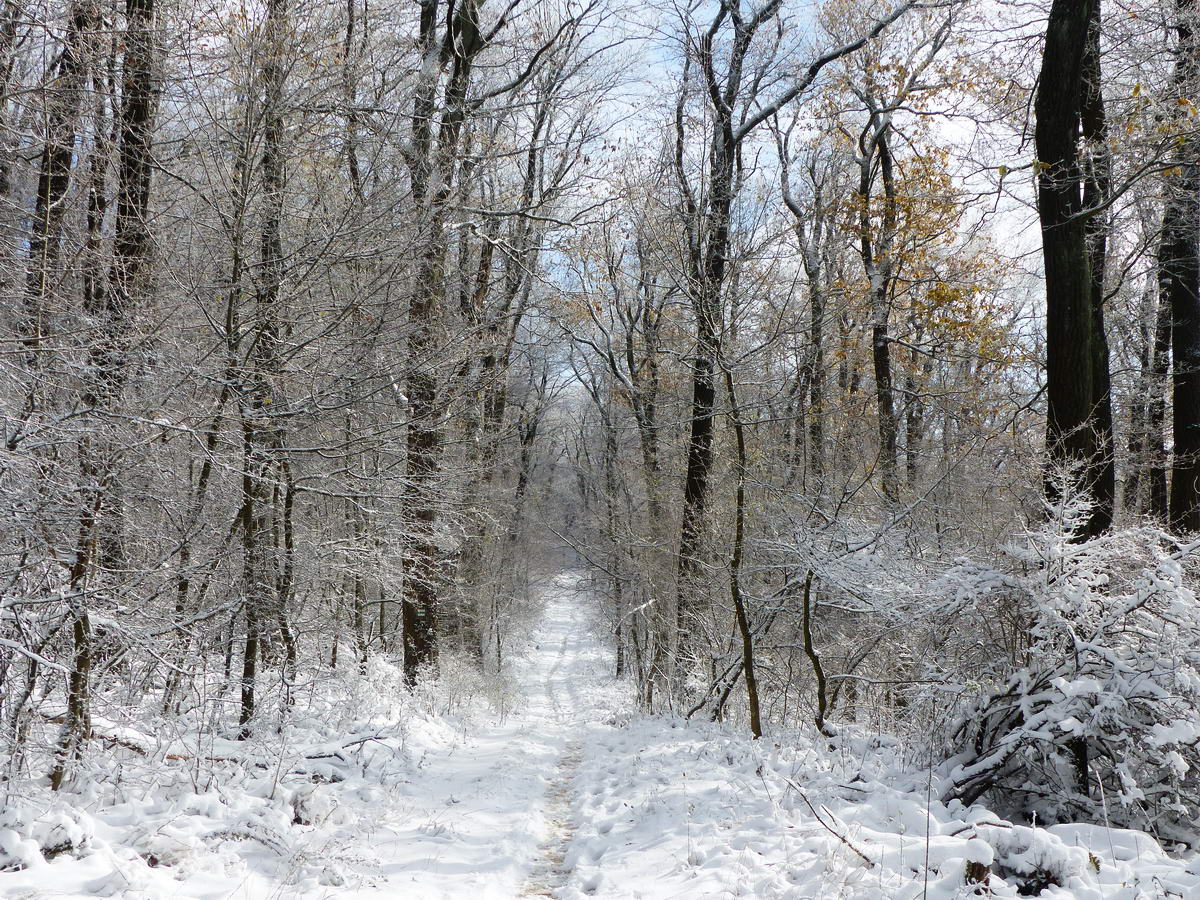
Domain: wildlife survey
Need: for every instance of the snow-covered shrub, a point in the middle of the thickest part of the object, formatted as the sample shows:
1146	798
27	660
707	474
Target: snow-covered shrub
1100	716
885	623
31	832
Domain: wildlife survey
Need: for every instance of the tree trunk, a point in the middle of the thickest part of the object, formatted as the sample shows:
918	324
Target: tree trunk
815	376
113	309
735	561
877	260
711	247
1158	500
1179	259
261	406
431	173
1073	426
64	106
1138	443
1097	188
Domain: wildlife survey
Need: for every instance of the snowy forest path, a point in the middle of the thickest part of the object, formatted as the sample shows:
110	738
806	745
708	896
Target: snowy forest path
450	797
492	820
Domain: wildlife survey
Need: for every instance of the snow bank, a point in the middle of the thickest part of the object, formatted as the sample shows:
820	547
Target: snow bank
291	812
678	810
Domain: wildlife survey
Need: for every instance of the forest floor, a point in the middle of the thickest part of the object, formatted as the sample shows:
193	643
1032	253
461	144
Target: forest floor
554	787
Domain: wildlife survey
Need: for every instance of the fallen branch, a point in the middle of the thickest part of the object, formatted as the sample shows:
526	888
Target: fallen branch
821	821
841	837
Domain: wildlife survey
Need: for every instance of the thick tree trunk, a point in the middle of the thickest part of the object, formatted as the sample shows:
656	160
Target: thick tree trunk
709	266
1072	346
433	158
1097	188
1179	276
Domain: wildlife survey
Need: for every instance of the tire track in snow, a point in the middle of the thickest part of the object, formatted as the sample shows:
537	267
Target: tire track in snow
550	871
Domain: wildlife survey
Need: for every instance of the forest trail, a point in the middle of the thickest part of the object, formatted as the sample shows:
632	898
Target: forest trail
493	819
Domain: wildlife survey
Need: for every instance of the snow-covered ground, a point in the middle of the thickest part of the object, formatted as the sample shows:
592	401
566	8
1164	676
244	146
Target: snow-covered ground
550	787
487	820
667	810
439	796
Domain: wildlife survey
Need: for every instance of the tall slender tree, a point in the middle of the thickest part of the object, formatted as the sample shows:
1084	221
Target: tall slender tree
719	63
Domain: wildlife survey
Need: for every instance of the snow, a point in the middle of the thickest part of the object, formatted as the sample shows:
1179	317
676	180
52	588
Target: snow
447	805
545	784
473	824
684	810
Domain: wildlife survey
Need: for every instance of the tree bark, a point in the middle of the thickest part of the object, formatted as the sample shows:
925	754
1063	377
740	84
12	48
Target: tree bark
1179	263
1097	189
64	106
879	266
709	233
735	562
1072	346
1158	500
261	403
433	157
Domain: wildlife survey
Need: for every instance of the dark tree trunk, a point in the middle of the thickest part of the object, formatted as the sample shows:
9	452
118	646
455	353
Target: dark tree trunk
876	253
1072	346
741	614
64	106
131	249
251	567
419	611
811	652
1179	262
1097	188
710	243
433	158
54	175
695	496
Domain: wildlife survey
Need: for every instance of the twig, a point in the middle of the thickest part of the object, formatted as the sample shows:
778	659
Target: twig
841	837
